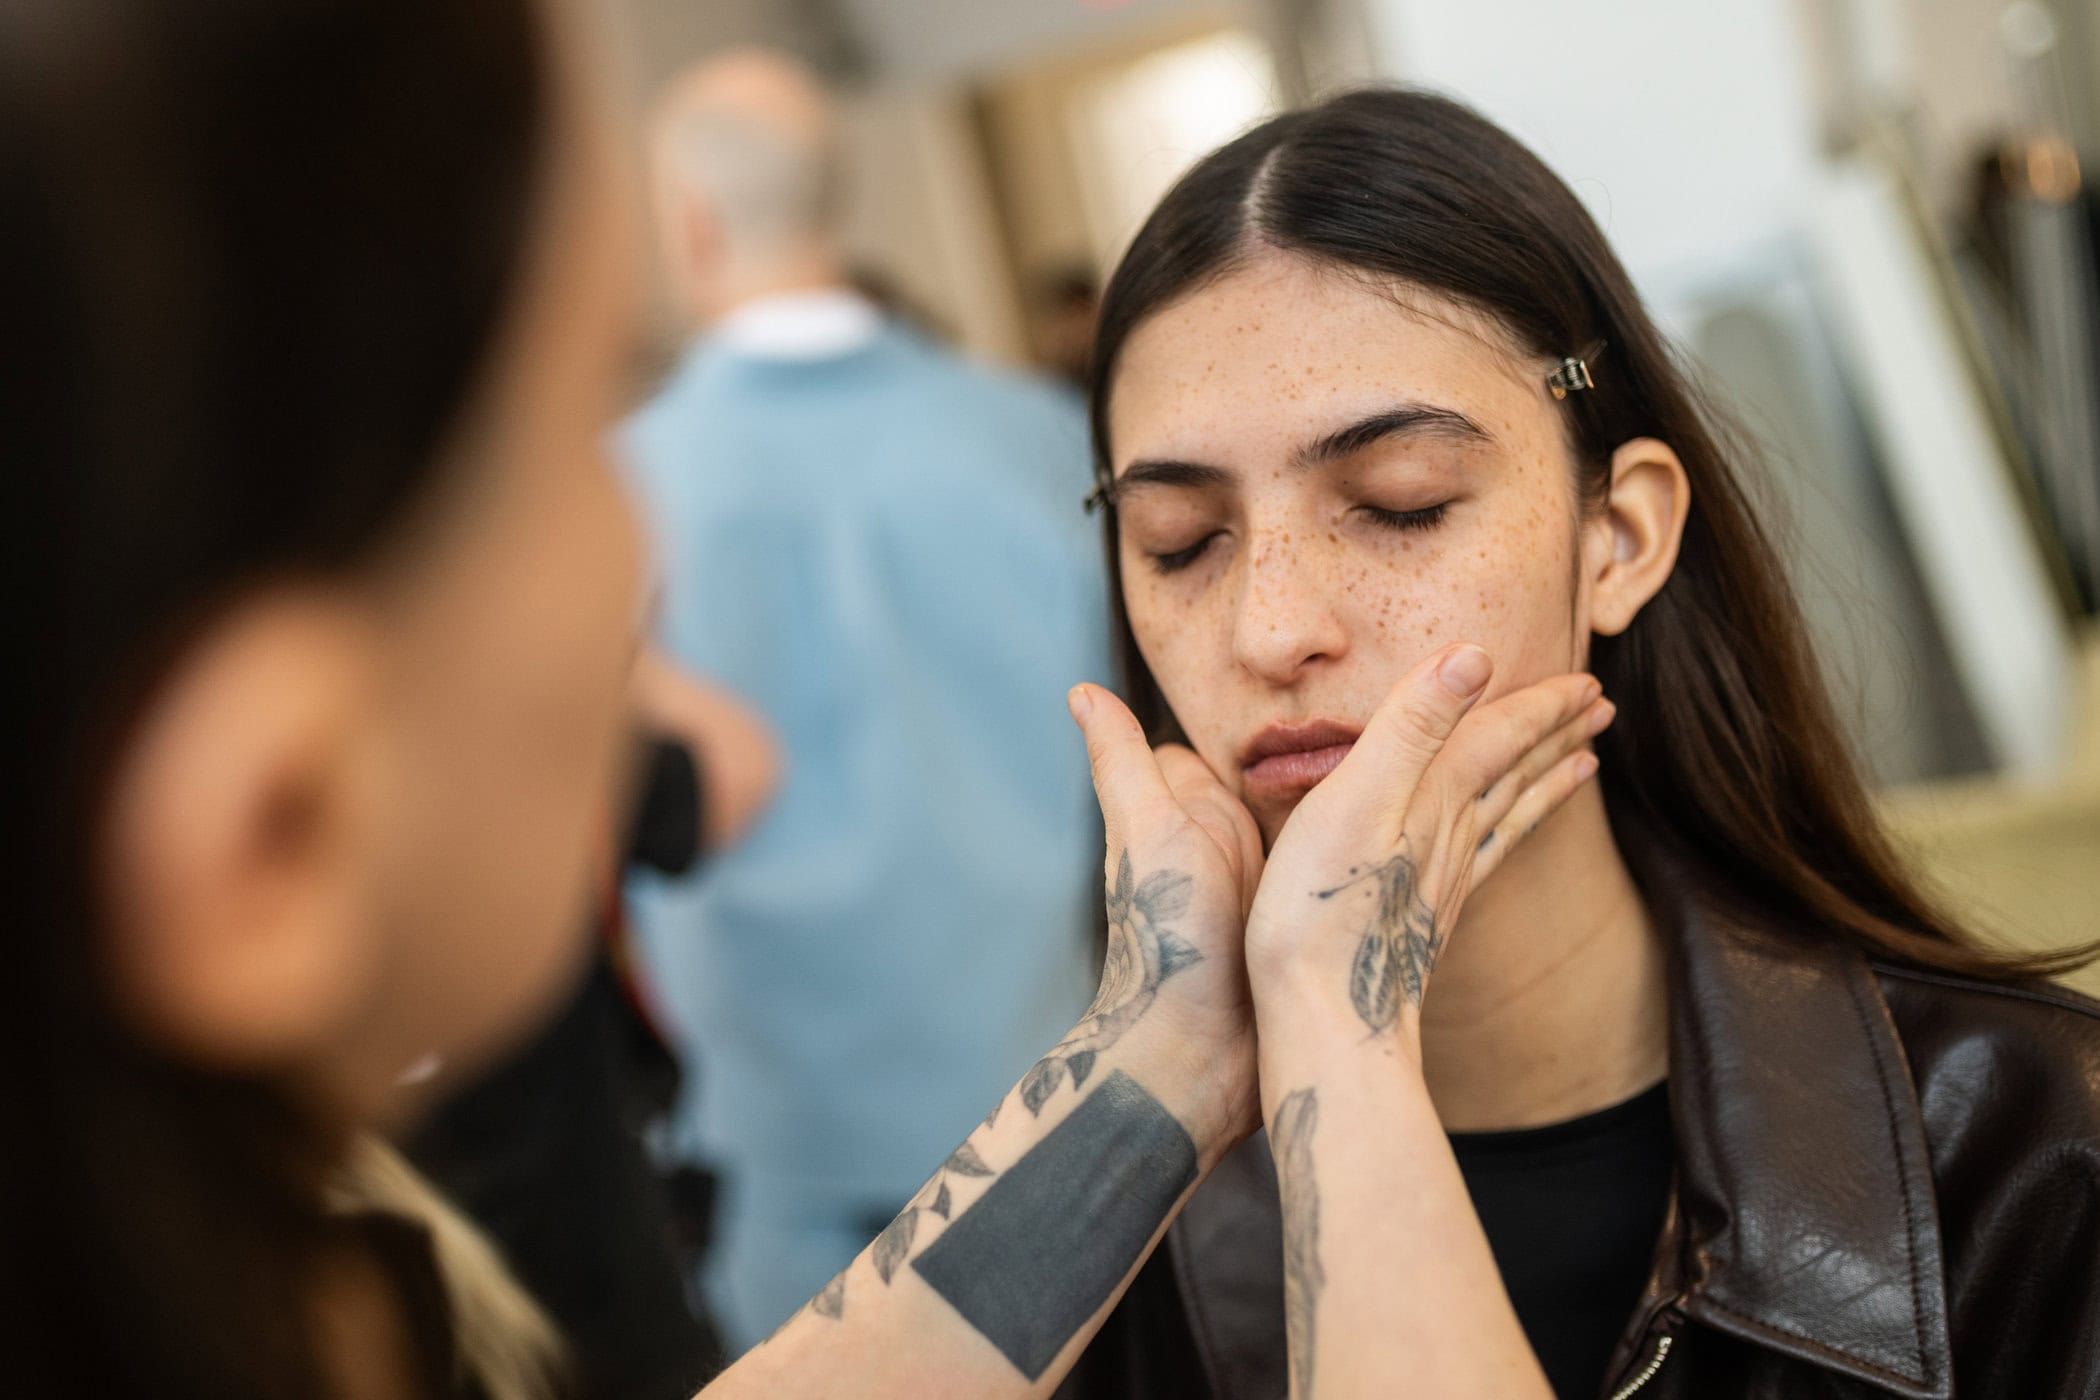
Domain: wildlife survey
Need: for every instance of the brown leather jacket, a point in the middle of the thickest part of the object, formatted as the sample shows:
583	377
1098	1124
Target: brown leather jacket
1888	1184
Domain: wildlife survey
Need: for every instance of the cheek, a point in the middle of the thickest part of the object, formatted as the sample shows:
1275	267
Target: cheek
1185	637
1505	581
514	711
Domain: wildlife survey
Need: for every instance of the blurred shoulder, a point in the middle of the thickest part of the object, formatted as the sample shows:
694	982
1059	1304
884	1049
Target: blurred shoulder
1000	388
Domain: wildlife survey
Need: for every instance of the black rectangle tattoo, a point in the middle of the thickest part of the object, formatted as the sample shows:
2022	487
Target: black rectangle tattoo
1043	1248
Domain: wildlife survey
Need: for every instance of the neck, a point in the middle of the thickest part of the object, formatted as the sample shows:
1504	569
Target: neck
818	269
1552	1000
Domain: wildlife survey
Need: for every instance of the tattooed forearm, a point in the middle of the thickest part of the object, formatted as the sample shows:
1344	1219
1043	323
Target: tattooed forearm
830	1302
895	1240
1399	945
1143	952
1039	1253
1290	1138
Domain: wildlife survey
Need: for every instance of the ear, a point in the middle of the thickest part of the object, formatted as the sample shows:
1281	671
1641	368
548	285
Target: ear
691	239
700	235
1630	549
240	837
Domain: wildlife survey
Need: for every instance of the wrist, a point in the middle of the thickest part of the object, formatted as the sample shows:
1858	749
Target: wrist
1203	1082
1317	1019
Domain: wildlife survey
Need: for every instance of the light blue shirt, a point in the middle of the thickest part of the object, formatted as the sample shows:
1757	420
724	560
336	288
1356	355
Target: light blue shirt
883	550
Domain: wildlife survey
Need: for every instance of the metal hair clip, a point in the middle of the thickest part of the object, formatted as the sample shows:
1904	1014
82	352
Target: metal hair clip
1572	375
1569	376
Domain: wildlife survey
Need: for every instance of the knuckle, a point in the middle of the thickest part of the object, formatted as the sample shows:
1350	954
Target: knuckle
1421	725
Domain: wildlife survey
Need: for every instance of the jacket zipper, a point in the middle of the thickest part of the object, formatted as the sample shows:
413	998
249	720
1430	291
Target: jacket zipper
1663	1321
1646	1374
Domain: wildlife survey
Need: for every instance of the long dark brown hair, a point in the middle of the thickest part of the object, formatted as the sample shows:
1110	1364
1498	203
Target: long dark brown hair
253	254
1727	763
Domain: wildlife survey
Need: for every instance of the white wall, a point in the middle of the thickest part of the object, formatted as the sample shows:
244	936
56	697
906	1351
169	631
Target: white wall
1696	133
1686	127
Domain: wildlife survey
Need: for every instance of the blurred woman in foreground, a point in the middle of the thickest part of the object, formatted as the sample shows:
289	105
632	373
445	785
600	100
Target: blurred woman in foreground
312	317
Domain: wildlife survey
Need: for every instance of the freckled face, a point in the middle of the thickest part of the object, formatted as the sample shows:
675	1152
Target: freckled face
1316	488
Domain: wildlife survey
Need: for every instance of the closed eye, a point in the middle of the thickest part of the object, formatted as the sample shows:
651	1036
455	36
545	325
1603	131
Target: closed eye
1427	518
1181	558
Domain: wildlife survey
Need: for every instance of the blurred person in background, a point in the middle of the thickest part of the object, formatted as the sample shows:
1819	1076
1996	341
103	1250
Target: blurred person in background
1067	306
880	546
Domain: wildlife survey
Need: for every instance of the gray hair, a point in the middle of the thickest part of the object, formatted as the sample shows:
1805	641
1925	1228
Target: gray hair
767	188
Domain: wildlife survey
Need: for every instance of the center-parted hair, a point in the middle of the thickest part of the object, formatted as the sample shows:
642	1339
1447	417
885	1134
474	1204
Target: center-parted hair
1726	766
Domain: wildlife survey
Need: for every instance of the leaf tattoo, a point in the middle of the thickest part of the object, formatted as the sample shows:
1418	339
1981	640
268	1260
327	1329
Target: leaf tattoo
894	1243
964	1161
1082	1065
830	1302
1143	952
1399	945
1290	1136
1041	1081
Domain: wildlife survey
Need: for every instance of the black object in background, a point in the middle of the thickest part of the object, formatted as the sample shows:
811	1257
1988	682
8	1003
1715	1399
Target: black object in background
664	825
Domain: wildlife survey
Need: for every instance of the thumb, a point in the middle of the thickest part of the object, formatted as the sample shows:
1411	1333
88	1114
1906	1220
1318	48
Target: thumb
1127	778
1410	727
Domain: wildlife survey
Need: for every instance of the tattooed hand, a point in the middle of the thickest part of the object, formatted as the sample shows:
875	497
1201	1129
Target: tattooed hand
1366	879
1184	861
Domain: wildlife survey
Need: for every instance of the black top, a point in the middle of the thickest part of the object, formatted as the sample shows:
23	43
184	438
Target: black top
1572	1212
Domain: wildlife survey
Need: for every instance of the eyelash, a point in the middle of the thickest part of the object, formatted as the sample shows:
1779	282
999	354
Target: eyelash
1427	518
1181	558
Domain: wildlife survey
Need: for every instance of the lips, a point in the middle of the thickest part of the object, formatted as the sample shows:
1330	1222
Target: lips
1286	760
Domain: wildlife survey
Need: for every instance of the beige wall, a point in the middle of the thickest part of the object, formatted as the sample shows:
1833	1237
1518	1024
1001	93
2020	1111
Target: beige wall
920	207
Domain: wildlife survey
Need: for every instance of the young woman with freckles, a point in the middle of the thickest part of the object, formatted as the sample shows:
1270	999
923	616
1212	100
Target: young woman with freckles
1699	1095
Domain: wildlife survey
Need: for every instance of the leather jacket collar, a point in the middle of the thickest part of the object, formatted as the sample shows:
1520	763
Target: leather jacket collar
1803	1220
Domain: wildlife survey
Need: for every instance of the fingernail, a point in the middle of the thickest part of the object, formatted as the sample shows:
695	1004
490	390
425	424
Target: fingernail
1585	767
1591	691
1079	703
1465	671
1601	716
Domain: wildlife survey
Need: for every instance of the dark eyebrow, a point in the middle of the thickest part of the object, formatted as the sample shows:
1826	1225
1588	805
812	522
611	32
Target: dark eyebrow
1401	420
1170	473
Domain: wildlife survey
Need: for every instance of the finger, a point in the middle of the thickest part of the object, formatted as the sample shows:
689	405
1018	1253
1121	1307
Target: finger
1538	802
1212	806
1496	738
1186	774
1502	794
1408	730
1127	778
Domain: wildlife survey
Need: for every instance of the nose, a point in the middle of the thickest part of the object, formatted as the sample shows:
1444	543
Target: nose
1287	623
